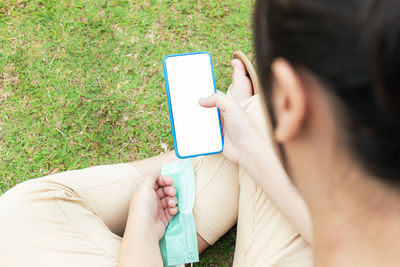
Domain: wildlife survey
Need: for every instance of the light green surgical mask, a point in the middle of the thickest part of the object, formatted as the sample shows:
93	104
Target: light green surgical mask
179	243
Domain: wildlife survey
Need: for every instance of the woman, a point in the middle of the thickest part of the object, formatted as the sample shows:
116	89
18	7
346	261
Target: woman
330	70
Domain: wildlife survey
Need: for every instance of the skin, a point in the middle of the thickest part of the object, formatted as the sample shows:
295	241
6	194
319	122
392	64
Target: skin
349	217
243	145
241	90
151	208
140	243
355	216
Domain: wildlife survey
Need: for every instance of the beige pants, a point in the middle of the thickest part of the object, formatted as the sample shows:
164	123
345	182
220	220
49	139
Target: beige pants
77	218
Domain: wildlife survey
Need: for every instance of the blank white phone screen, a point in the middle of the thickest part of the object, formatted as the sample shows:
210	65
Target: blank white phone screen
197	129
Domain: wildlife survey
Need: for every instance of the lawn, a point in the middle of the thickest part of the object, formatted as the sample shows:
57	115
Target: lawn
81	81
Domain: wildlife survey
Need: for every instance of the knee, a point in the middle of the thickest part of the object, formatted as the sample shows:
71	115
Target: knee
27	192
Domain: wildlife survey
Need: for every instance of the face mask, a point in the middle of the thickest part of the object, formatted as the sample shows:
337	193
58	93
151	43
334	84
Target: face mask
179	243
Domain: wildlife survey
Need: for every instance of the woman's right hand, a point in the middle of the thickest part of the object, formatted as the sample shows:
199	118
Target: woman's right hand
239	132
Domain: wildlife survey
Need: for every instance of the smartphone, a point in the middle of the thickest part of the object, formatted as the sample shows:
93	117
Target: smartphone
196	130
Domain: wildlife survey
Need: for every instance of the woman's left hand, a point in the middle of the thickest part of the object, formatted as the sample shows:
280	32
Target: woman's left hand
151	208
153	204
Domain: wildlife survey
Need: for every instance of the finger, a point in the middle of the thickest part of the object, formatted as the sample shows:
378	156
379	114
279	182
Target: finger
164	202
239	70
171	201
160	193
164	181
169	190
172	211
219	100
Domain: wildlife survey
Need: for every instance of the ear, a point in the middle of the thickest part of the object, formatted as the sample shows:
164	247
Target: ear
289	100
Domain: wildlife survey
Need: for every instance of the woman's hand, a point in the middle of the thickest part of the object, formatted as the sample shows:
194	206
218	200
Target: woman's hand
244	145
153	204
239	132
151	208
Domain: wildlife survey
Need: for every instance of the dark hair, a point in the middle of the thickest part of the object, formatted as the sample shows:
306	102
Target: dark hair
352	47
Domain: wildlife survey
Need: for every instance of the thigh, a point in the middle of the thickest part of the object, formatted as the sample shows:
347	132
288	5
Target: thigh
67	219
264	236
217	196
77	218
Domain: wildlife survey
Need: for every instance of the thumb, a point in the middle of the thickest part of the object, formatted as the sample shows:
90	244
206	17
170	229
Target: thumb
219	100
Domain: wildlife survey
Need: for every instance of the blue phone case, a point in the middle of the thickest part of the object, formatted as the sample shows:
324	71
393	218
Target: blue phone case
171	117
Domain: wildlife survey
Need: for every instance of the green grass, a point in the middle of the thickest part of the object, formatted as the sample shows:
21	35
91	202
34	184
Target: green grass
81	82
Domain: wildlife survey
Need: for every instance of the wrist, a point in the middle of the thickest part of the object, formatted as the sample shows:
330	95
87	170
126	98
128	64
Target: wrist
144	229
259	155
140	244
251	149
143	222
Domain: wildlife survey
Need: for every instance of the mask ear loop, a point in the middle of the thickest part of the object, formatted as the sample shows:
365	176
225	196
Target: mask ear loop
200	161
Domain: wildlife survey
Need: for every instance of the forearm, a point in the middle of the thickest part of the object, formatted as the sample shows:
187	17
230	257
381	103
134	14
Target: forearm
261	163
140	245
